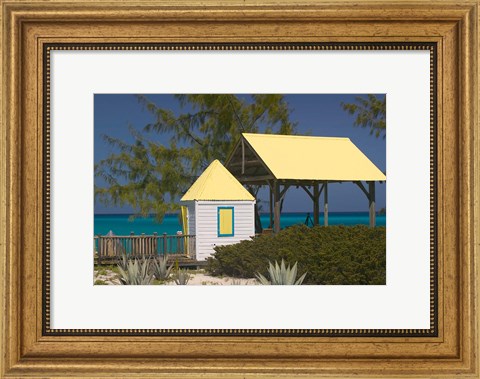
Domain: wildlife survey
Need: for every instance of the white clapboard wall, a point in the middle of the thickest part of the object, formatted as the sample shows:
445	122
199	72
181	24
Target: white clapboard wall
203	222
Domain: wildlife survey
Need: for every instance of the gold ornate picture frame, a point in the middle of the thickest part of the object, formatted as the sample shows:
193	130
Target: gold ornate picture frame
32	29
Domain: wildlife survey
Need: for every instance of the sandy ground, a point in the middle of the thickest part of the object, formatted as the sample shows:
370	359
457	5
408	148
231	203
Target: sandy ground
197	278
203	279
109	278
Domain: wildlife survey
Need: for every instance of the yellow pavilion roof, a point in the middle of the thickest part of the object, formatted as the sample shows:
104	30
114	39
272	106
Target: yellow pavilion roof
313	158
217	183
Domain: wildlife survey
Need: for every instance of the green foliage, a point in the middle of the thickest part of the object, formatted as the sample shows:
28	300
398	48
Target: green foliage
281	275
333	255
99	282
137	273
371	112
161	270
104	269
151	176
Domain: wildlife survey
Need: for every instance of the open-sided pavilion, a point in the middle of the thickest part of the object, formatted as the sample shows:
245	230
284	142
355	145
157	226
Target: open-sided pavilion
282	161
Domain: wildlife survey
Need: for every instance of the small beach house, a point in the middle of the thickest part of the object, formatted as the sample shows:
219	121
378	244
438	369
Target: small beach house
218	210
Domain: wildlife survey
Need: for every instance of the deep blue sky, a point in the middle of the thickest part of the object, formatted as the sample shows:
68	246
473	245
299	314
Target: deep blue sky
319	115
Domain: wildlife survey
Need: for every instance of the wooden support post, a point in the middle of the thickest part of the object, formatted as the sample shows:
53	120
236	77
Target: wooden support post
271	205
132	245
316	204
165	244
325	205
179	245
277	200
100	249
371	200
243	156
155	243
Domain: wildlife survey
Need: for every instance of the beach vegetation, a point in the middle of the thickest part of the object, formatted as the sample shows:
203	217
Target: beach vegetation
102	271
281	275
137	273
161	269
106	269
333	255
180	276
122	262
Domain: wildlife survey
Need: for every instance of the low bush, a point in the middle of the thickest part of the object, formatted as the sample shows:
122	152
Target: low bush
333	255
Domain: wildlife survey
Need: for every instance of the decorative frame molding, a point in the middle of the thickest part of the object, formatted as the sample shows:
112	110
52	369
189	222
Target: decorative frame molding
376	46
28	27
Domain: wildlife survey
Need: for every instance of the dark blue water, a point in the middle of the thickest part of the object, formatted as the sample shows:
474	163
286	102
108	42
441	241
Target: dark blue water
120	225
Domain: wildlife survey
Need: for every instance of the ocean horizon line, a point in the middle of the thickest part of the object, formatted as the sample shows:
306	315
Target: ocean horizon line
262	213
121	224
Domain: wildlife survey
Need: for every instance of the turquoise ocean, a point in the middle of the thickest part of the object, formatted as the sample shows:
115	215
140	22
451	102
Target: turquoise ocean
121	225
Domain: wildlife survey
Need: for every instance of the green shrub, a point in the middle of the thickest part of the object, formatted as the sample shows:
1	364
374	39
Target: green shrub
333	255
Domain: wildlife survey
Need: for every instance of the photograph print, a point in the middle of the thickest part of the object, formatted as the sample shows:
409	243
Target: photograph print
240	189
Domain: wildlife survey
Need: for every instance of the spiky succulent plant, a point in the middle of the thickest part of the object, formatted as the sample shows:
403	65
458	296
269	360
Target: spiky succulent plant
180	276
136	273
122	262
161	270
281	275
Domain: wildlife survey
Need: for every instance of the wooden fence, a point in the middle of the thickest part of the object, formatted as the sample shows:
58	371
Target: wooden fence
144	246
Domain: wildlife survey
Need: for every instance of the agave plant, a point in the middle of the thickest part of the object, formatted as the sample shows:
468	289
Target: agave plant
281	275
180	276
160	269
122	262
136	273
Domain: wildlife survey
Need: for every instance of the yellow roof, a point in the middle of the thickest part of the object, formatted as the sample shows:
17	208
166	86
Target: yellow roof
313	158
216	183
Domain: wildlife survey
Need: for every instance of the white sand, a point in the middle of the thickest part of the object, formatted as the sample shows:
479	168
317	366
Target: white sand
109	278
200	278
197	278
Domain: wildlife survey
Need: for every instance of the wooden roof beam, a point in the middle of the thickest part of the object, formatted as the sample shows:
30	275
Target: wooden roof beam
263	178
238	164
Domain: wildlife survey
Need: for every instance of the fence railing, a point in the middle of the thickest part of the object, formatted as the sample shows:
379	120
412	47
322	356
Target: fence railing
144	245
